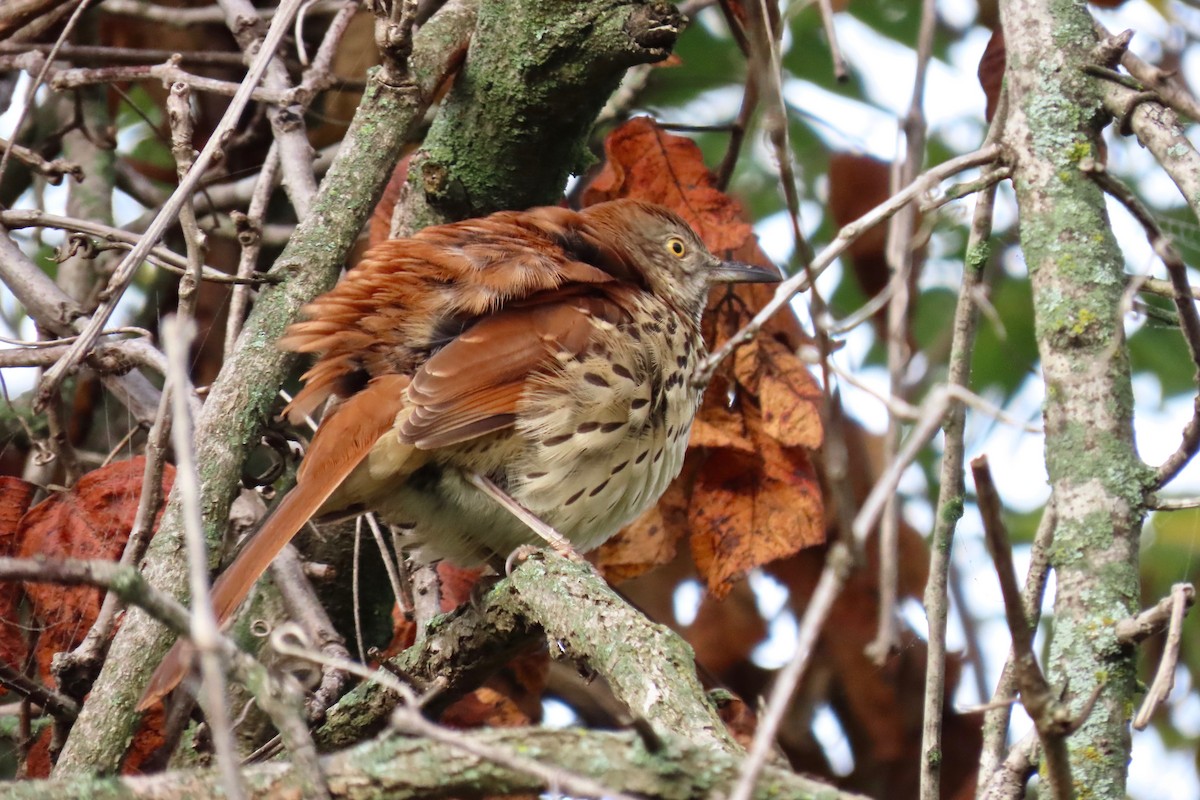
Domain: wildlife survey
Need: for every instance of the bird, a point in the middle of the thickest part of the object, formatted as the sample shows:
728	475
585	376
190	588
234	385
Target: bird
525	370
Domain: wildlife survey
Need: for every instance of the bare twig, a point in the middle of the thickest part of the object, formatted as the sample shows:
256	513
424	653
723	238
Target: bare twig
168	72
287	123
303	605
766	69
126	581
206	15
847	235
319	74
53	170
838	563
57	704
900	259
1049	716
250	238
1189	318
124	271
737	133
1174	503
58	313
961	190
36	83
11	51
950	501
1134	630
933	410
995	725
1166	84
389	563
177	337
1181	598
179	117
835	51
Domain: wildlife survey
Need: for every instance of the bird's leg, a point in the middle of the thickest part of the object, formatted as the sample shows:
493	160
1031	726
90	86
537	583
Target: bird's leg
556	540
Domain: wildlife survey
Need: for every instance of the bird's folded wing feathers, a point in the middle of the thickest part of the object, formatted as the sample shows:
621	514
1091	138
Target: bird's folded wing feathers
473	385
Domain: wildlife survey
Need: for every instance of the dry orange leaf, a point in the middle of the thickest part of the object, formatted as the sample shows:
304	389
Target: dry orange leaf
93	521
746	512
991	70
647	163
15	497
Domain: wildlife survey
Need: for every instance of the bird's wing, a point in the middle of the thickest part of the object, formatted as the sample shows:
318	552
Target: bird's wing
473	385
407	297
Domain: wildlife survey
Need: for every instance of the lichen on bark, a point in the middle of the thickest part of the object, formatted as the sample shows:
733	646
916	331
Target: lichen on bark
1077	273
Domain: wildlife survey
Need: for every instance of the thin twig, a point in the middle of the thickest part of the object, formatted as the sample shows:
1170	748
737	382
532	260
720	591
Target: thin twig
249	228
120	55
900	260
951	494
847	235
835	50
995	724
1182	596
933	410
188	17
125	271
159	256
179	118
302	603
36	83
1189	318
389	563
1135	630
52	170
168	72
838	563
59	705
177	337
1163	288
767	70
287	123
1174	504
737	133
126	581
1049	716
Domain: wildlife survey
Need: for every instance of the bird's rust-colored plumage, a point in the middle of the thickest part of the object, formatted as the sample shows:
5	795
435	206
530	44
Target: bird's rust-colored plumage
549	351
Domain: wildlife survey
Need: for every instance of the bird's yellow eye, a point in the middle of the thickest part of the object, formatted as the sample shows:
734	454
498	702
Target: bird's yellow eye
676	247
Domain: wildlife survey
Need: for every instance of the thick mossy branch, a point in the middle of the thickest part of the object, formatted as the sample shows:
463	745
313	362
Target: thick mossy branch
1076	270
515	125
649	668
400	768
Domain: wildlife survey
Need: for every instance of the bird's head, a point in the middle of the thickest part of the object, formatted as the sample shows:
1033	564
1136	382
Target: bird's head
661	250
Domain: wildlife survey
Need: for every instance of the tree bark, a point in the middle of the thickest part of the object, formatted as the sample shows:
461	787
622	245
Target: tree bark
1077	272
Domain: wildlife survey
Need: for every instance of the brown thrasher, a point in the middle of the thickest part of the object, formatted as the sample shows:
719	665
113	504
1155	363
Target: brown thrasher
538	361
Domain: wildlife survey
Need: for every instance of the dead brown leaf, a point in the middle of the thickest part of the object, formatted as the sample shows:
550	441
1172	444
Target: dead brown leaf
90	521
15	497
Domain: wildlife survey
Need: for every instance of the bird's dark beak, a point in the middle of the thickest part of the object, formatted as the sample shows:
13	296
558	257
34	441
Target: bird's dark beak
738	272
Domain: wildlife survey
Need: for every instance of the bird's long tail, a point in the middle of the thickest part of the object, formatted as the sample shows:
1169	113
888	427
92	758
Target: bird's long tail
344	439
